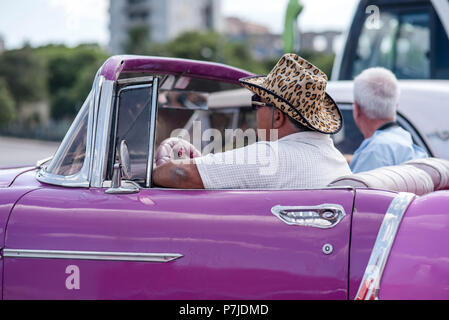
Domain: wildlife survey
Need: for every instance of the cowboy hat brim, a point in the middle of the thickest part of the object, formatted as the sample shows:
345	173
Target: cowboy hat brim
328	117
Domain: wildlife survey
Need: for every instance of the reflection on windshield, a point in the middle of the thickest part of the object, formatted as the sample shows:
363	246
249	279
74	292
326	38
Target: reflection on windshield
69	158
183	100
133	126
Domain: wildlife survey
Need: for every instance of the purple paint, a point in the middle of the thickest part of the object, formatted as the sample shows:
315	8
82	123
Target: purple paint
418	267
117	65
370	207
7	176
238	252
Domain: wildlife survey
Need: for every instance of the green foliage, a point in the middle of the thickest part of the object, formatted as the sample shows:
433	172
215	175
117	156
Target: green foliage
239	55
64	75
210	46
7	110
195	45
71	72
61	74
139	40
322	60
25	74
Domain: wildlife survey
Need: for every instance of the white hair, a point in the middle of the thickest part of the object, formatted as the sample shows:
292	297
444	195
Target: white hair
376	91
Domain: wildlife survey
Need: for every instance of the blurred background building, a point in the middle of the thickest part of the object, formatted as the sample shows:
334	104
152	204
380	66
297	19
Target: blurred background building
165	20
326	41
44	84
264	44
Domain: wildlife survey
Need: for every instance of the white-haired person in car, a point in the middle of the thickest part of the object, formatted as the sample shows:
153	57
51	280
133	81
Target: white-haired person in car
292	102
376	96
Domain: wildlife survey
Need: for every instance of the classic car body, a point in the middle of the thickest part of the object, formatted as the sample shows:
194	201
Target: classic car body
72	229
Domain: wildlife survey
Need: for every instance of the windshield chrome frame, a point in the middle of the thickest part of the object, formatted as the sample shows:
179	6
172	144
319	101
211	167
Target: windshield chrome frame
98	162
82	178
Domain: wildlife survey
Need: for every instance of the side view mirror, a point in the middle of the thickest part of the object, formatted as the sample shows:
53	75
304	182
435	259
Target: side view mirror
125	161
122	169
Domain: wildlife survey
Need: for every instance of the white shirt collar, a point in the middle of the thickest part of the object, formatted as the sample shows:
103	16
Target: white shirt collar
306	136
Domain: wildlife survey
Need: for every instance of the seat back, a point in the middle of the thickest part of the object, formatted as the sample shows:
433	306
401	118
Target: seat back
419	177
438	169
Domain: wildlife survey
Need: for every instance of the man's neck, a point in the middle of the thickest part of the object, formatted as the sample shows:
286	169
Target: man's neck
374	125
288	132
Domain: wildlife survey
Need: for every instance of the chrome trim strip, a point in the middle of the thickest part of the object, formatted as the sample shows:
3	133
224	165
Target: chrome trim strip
153	115
369	287
87	255
152	86
40	163
325	216
102	135
134	80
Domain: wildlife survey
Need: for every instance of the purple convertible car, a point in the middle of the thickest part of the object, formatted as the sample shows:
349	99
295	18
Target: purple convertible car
89	224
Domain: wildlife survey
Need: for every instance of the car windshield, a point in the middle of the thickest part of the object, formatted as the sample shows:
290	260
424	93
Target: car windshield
69	158
401	43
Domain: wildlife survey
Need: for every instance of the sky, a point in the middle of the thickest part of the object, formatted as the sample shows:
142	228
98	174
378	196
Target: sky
76	21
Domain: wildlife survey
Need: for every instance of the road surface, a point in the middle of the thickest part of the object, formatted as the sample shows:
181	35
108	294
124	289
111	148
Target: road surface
17	152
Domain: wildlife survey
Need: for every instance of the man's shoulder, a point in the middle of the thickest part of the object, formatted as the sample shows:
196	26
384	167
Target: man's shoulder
375	148
390	139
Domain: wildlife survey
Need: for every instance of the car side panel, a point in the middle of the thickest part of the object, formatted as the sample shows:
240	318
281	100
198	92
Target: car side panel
232	246
369	211
418	266
8	198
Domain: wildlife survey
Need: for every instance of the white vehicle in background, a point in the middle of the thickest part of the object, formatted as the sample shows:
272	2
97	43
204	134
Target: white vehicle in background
423	111
408	37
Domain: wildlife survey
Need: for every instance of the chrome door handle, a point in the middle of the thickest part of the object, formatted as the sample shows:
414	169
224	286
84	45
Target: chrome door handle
325	216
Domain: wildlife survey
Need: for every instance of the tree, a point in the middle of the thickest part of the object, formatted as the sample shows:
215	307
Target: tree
195	45
323	60
211	46
139	40
7	110
71	72
25	75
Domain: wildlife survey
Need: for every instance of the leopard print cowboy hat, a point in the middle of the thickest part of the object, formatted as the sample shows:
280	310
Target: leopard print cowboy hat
298	88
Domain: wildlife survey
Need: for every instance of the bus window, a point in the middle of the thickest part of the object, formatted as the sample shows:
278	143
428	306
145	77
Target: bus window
375	45
400	44
413	47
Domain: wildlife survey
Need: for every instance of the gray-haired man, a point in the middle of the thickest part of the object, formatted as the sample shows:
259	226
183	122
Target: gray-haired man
376	95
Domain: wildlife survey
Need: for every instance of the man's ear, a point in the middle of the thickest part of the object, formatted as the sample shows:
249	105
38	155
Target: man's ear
279	118
356	111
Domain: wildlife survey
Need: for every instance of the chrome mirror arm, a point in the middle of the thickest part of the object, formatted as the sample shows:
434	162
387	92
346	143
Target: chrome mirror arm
122	168
117	176
117	186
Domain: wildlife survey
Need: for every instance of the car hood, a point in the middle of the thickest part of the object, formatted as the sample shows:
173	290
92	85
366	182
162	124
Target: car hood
8	175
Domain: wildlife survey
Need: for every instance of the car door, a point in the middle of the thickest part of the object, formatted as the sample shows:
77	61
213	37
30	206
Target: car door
173	244
89	243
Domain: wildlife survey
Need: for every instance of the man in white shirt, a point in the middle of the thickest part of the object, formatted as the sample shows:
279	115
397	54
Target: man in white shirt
293	104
